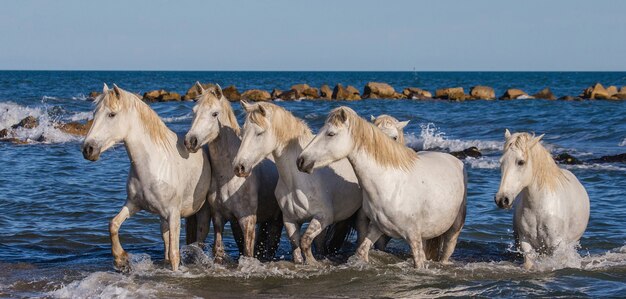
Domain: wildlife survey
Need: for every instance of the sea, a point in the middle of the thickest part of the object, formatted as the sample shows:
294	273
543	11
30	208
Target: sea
55	206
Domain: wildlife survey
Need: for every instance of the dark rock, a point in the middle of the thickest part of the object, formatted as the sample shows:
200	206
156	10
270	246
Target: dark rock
455	94
346	93
310	93
416	93
482	93
621	158
28	122
256	95
275	94
378	90
570	98
231	93
194	91
4	133
545	93
512	94
471	152
300	88
76	128
289	95
94	94
161	95
326	92
596	92
565	158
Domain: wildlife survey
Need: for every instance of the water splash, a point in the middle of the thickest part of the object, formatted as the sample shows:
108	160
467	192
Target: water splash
432	138
45	132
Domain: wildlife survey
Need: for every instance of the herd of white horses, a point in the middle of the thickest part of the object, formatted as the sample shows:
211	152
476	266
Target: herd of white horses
353	175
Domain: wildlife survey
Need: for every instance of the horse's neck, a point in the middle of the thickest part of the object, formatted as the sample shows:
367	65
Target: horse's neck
367	171
285	159
147	156
222	151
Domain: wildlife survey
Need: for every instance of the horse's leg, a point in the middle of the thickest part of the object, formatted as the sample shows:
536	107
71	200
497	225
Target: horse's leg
293	233
165	233
417	249
528	252
218	245
451	237
382	242
361	226
316	226
248	226
191	228
273	240
203	217
120	257
320	242
262	238
373	233
174	222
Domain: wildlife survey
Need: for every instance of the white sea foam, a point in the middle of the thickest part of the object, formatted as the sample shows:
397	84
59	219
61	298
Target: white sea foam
173	119
623	143
78	116
483	163
431	138
45	132
596	166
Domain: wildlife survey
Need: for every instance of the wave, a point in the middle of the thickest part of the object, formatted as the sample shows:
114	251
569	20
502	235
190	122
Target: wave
45	132
623	143
483	163
174	119
149	279
431	138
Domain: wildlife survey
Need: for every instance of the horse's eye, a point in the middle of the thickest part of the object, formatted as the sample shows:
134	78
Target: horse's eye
112	114
521	163
331	134
215	114
260	133
395	138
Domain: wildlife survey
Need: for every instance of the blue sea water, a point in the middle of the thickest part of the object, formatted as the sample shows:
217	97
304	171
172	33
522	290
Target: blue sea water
56	205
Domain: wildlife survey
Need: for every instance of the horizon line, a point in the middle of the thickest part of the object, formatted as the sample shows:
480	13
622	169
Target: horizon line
321	71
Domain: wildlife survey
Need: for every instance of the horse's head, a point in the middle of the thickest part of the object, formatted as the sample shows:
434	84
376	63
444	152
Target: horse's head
333	142
207	115
391	126
258	138
111	122
516	166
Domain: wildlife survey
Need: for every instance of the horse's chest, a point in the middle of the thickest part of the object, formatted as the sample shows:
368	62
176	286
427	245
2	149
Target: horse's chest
155	197
294	203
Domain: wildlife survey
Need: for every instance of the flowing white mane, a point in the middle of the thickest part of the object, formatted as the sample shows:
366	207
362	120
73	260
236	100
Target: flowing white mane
385	120
285	125
209	98
372	140
117	99
545	171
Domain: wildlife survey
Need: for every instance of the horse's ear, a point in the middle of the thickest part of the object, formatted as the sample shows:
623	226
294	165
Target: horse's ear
263	110
343	115
199	86
117	90
507	134
401	124
105	88
535	140
372	118
247	106
217	91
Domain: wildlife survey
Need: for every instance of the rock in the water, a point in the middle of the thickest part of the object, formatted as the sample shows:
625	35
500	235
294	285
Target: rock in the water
346	93
378	90
570	98
300	88
194	91
29	122
512	94
596	92
471	152
275	94
417	93
289	95
455	94
621	158
310	93
4	133
161	95
565	158
256	95
545	94
326	92
482	93
231	93
76	128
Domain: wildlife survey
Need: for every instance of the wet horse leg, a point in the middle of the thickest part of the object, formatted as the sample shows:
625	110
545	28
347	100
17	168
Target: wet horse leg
248	226
373	233
120	257
165	234
218	246
174	223
313	230
293	233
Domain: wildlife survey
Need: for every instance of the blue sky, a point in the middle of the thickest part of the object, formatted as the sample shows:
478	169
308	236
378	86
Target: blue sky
362	35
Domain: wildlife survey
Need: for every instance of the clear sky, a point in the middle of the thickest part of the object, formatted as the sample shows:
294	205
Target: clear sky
442	35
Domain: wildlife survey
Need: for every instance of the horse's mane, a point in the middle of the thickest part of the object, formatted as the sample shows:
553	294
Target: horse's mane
371	139
545	171
228	117
285	125
384	120
157	130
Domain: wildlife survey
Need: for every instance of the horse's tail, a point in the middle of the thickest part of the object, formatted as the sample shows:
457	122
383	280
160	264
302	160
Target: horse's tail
191	229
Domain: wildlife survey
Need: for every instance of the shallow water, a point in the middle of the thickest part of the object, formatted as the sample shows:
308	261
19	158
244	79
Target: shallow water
57	205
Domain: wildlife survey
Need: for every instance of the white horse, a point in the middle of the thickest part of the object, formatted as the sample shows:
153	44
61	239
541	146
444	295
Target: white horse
391	126
551	206
330	196
163	179
243	201
412	196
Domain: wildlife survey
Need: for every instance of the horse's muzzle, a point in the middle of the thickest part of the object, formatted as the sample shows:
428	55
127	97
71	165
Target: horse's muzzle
91	152
503	201
191	143
241	171
303	167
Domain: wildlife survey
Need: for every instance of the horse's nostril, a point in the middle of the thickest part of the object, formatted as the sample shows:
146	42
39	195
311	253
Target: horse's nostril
87	150
240	169
300	162
505	201
193	141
